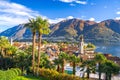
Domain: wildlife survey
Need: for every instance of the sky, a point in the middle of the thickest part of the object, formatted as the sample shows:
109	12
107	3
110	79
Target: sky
15	12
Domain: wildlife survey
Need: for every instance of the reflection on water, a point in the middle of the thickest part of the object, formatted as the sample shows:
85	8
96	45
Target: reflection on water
109	48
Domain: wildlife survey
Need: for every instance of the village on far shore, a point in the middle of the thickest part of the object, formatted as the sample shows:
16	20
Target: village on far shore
81	49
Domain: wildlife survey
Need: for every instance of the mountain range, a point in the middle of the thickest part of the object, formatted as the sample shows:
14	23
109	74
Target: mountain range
107	30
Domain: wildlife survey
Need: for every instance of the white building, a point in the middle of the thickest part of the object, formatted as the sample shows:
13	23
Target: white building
81	45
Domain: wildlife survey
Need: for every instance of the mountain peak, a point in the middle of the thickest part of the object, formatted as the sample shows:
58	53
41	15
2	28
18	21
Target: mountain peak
105	30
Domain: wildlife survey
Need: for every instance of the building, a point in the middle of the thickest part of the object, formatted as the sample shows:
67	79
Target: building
113	58
85	52
81	45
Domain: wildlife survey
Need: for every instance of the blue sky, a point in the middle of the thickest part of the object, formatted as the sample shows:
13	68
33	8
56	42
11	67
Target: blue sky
14	12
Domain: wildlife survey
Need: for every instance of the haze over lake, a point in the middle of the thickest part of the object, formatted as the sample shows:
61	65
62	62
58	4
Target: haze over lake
113	49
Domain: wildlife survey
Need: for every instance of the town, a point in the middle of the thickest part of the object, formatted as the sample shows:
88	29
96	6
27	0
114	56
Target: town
59	39
84	52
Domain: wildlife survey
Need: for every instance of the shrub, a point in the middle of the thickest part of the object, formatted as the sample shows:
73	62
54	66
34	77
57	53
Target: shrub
54	75
16	71
2	75
19	71
10	74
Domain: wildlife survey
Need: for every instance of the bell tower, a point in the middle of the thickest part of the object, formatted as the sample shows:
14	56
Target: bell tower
81	45
11	41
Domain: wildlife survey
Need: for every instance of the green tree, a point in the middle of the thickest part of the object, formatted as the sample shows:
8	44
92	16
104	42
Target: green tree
45	62
57	62
11	50
42	28
33	27
90	65
6	63
4	43
28	50
90	46
100	59
63	56
44	42
22	60
74	60
109	68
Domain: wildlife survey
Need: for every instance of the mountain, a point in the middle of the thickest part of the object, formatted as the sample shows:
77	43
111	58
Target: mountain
72	27
107	30
17	32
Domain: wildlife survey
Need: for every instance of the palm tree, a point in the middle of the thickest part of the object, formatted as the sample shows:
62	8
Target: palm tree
58	63
42	28
11	50
74	60
33	27
90	65
4	43
62	57
110	68
100	59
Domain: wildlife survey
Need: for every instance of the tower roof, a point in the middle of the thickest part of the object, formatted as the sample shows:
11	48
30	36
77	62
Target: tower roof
81	38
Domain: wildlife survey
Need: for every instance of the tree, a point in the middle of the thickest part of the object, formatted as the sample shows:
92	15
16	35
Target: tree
28	50
90	45
11	50
45	62
100	59
22	60
44	42
4	43
57	62
6	63
74	60
42	28
90	65
33	27
62	57
110	68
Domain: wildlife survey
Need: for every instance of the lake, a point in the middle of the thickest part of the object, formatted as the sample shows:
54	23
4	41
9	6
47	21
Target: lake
113	49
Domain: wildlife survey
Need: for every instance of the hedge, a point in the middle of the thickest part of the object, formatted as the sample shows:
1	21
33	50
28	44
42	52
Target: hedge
54	75
10	74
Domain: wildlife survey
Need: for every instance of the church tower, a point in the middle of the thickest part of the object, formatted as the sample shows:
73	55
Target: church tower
11	41
81	45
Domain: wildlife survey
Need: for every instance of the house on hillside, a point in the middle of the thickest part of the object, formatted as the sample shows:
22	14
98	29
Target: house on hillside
52	50
113	58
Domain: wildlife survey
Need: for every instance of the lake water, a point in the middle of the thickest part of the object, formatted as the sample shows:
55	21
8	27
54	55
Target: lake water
113	49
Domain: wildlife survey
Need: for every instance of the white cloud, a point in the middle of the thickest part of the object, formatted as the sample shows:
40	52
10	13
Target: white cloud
118	12
59	19
12	14
52	21
81	2
117	18
92	19
70	17
98	21
67	1
75	1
